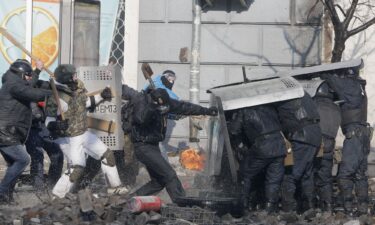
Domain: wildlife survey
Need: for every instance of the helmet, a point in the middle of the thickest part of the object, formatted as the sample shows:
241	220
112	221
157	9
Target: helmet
21	67
324	91
64	73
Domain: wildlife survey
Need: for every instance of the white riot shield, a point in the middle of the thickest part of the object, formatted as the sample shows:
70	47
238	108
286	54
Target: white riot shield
311	71
107	113
258	92
241	95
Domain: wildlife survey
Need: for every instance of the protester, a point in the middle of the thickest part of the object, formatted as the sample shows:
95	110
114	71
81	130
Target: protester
72	134
16	94
149	122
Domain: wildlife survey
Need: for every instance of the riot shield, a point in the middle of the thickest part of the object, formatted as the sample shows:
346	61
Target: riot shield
254	93
219	141
309	72
311	86
107	114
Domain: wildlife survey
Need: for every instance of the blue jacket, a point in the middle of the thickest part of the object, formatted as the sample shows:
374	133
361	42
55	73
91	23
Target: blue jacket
159	84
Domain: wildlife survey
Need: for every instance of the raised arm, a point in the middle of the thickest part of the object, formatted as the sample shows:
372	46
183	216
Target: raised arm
187	108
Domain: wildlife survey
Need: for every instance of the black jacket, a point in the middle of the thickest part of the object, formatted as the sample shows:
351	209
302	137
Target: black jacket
350	89
300	120
148	124
258	127
16	95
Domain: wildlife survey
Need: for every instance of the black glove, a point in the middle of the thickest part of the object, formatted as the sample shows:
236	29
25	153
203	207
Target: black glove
212	111
106	94
58	125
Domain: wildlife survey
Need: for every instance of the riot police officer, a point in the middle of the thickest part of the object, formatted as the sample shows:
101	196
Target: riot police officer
300	123
259	128
350	88
330	119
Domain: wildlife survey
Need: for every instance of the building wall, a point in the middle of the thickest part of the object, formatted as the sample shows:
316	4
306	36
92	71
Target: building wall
268	37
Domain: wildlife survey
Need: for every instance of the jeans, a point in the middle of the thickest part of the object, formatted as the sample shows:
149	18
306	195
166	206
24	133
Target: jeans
17	159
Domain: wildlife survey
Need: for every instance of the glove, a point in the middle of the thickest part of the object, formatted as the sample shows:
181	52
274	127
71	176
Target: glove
212	111
58	125
106	94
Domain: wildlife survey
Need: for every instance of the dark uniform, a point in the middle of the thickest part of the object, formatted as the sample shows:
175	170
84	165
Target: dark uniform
300	123
130	171
330	119
352	170
15	121
259	128
149	126
37	142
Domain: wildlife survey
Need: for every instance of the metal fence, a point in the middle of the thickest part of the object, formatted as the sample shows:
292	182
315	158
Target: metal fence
117	50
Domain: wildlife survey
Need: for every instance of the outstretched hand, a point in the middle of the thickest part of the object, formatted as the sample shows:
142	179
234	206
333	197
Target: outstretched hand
212	111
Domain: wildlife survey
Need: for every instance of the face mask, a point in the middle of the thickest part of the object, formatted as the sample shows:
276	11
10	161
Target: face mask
167	83
163	109
73	86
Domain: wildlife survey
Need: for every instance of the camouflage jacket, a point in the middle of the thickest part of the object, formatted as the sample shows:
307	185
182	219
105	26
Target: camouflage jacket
77	111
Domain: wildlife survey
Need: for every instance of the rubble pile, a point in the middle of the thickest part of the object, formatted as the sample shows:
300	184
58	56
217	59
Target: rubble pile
100	209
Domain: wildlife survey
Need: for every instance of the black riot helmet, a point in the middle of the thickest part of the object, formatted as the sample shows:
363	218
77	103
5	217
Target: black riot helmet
324	91
21	67
64	73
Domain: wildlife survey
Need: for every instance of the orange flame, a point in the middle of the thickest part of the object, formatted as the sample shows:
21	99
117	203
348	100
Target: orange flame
192	160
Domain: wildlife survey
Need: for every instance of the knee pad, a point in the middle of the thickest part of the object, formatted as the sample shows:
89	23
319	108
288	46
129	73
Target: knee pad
108	158
76	174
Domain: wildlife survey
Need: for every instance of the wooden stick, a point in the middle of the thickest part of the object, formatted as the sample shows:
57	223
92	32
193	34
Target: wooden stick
10	37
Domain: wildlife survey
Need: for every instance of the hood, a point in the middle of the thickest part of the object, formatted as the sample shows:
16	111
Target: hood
159	84
10	76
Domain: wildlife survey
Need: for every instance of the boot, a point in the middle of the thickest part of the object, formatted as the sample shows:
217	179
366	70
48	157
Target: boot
362	208
289	205
326	206
348	206
288	202
308	204
272	207
362	197
346	189
4	199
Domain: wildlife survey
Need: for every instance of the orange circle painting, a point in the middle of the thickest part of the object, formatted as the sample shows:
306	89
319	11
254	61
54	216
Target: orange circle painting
44	42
